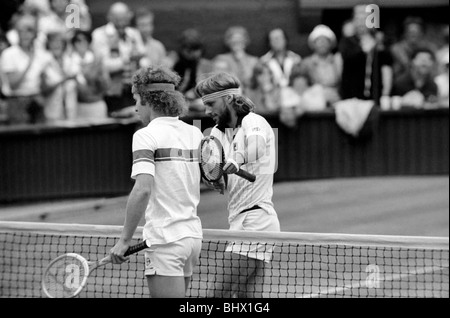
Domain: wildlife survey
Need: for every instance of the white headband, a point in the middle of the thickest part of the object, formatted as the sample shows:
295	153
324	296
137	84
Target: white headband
213	96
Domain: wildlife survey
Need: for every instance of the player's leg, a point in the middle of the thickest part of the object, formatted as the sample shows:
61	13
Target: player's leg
194	246
232	275
258	254
165	267
166	286
252	287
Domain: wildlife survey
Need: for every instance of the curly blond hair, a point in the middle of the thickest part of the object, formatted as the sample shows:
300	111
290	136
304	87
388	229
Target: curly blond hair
168	103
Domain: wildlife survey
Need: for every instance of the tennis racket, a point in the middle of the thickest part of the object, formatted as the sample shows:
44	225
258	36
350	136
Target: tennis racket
66	275
212	161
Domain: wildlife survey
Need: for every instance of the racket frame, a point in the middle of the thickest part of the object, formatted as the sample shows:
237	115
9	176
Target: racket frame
87	270
242	173
88	266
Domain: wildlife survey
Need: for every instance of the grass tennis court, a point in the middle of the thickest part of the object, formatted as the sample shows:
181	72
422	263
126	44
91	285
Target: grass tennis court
380	206
415	206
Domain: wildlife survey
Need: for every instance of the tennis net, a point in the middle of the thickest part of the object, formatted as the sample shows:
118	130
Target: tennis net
288	264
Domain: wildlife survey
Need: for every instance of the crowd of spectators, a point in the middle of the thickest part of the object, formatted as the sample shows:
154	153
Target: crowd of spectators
52	72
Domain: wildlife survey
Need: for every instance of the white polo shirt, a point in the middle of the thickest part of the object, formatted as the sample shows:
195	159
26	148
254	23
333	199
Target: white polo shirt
242	193
14	59
168	150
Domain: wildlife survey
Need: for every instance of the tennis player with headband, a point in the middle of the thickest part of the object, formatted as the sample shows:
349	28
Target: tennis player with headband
249	143
167	186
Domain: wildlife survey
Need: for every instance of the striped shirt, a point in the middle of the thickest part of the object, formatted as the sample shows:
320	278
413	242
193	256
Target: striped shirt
167	149
243	194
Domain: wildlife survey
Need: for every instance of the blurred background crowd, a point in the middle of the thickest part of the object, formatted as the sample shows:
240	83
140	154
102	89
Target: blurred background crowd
53	71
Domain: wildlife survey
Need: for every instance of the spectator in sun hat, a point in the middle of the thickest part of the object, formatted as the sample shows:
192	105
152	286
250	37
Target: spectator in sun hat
321	71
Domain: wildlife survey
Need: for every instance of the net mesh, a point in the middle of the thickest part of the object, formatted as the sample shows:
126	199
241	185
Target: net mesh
237	264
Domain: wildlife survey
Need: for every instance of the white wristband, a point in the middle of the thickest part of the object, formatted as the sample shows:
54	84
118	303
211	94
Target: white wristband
234	163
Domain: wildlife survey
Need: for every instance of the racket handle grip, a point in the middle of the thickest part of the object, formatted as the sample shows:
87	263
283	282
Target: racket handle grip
246	175
136	248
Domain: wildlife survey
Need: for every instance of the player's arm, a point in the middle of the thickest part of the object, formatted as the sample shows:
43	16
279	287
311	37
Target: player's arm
142	171
256	147
135	209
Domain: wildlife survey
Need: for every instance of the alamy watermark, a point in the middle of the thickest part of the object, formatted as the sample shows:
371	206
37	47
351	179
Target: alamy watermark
373	17
74	16
373	279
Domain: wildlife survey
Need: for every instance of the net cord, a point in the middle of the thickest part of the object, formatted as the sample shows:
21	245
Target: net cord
414	242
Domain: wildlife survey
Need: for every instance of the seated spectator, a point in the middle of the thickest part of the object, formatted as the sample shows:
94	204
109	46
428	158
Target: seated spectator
190	64
23	67
413	39
263	91
120	46
417	86
237	61
320	72
279	58
366	67
92	81
155	52
442	82
60	92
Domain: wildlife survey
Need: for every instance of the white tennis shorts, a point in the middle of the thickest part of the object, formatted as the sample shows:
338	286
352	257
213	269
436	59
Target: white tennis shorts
254	220
173	259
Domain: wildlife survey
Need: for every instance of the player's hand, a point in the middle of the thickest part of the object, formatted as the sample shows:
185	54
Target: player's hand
230	168
218	186
118	251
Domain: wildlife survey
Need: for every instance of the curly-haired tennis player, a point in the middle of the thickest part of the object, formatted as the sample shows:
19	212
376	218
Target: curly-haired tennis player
167	187
249	144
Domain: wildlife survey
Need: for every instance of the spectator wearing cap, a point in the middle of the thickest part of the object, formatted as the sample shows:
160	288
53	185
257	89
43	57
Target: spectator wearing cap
366	65
413	39
280	59
237	61
190	63
120	46
321	71
417	86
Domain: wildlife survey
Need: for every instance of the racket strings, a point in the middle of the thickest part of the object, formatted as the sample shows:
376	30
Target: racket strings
211	160
64	277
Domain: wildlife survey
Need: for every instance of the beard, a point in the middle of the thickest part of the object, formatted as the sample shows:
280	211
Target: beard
224	120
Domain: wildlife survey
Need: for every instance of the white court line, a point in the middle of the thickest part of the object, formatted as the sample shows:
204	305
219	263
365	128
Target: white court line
363	284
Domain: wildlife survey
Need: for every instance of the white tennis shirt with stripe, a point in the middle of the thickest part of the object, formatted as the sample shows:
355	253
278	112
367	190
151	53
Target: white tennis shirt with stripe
242	193
167	149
